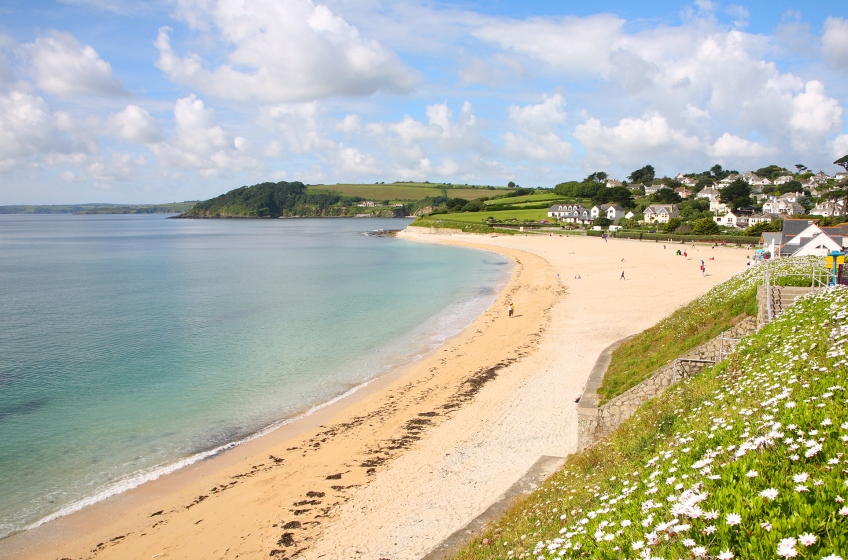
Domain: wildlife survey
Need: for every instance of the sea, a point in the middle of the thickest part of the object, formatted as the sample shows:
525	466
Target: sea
133	345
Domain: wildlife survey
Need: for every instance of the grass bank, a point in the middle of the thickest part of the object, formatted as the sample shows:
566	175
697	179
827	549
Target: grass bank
692	325
747	460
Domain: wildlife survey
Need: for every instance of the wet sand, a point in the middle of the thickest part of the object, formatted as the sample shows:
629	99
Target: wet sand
393	470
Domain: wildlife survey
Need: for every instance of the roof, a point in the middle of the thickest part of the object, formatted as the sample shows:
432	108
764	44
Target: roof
768	236
792	226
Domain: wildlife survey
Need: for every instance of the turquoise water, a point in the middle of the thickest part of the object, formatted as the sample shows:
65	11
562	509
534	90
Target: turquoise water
131	345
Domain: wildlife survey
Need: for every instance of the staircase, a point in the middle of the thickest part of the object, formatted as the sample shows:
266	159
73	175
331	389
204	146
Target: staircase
781	298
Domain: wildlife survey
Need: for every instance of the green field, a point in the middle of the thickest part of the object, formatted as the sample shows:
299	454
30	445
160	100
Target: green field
406	191
529	198
500	215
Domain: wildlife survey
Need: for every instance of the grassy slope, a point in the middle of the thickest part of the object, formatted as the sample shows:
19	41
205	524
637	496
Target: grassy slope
404	191
691	325
533	198
669	482
479	217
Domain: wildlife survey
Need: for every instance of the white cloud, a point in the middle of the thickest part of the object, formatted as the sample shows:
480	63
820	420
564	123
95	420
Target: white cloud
633	140
835	42
114	167
839	147
136	125
28	127
62	66
814	116
537	139
351	124
316	54
732	147
300	124
573	44
352	161
202	144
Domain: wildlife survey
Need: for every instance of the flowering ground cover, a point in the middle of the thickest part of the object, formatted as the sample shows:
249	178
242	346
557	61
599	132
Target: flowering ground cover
695	323
749	459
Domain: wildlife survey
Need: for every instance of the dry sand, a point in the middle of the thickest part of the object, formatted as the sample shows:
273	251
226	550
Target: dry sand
398	467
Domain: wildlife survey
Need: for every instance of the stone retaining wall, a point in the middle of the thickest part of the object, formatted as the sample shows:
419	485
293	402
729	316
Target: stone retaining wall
594	422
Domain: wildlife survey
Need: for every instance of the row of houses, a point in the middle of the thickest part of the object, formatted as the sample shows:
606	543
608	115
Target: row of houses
579	214
750	177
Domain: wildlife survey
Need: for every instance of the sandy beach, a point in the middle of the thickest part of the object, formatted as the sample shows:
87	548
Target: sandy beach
393	470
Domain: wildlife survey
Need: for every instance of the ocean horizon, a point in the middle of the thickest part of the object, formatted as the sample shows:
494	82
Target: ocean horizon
135	345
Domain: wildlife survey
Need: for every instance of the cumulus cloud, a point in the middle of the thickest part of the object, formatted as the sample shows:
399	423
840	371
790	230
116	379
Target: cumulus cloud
316	54
300	124
633	140
835	42
730	146
574	44
535	137
28	127
201	143
814	116
62	66
136	125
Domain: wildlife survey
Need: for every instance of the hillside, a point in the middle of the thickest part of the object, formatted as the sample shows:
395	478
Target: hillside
746	460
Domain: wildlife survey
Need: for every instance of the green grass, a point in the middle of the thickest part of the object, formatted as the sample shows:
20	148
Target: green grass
404	191
500	215
692	325
761	436
462	226
535	198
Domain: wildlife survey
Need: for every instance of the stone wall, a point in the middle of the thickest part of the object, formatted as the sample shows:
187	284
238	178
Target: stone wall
594	422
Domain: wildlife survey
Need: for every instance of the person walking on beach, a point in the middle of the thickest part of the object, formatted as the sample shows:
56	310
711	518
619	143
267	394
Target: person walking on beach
622	276
703	269
511	310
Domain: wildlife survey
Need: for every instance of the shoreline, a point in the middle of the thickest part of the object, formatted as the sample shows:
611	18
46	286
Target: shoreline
348	396
52	537
409	461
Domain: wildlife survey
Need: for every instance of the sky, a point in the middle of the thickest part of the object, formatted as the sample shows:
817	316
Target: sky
128	101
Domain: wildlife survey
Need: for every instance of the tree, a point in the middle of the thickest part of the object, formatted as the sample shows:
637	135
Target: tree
596	177
705	226
703	183
757	229
718	172
616	195
770	171
456	204
666	196
736	194
574	189
801	168
673	224
842	162
474	206
643	175
511	185
602	221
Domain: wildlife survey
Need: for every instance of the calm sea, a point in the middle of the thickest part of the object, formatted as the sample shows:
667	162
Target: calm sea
132	345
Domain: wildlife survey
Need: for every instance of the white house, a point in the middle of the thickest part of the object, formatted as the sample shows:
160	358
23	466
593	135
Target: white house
570	213
732	220
776	205
828	208
819	246
613	212
661	213
717	207
708	193
613	183
754	219
783	179
755	180
684	180
629	215
652	189
727	180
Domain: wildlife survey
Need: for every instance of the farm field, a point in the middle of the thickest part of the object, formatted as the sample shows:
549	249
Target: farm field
501	215
404	191
530	198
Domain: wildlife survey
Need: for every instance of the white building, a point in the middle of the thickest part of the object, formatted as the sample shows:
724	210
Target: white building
731	220
661	213
828	208
613	212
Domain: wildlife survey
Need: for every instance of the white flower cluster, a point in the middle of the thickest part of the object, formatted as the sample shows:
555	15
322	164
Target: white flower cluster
780	408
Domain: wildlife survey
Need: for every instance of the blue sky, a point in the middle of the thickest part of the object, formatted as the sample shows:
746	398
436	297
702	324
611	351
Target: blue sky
130	102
